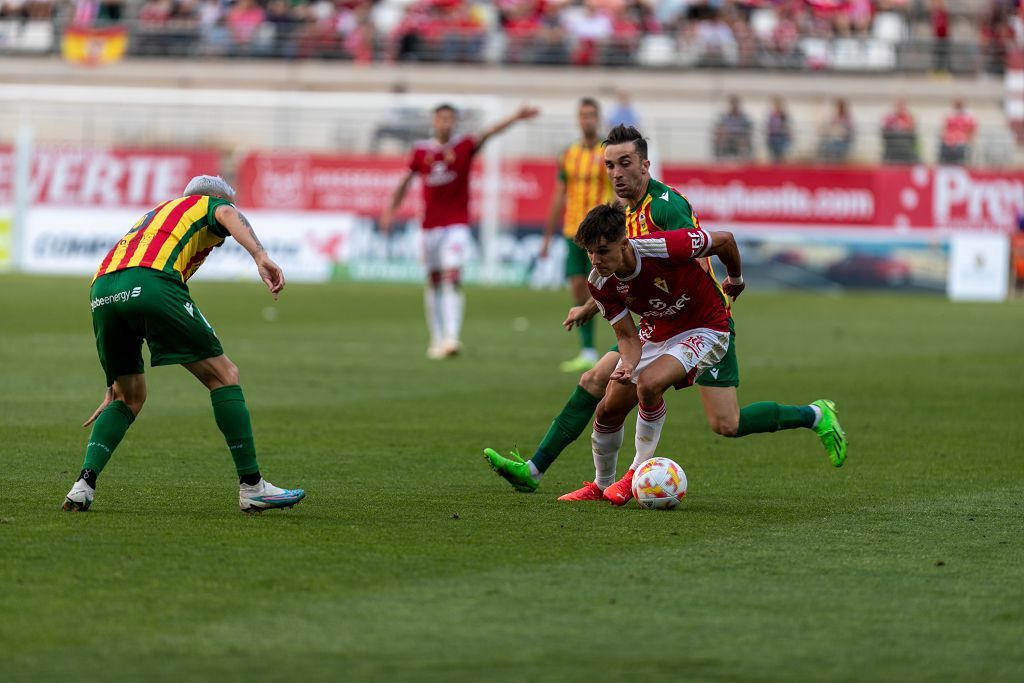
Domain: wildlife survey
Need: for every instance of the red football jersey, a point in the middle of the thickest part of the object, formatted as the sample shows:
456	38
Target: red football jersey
444	170
669	290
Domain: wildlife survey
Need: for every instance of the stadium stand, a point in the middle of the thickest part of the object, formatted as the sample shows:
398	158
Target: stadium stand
961	37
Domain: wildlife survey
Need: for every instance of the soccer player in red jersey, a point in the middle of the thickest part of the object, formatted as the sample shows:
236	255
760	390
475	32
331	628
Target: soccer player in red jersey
140	294
444	163
685	331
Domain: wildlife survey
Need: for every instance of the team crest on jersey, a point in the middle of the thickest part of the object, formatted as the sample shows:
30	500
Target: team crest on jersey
621	287
660	283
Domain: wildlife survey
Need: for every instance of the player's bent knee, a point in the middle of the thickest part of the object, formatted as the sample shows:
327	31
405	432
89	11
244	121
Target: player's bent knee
648	392
594	382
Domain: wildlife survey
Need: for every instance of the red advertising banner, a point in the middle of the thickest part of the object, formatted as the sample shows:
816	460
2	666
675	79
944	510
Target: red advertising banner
77	176
884	198
364	184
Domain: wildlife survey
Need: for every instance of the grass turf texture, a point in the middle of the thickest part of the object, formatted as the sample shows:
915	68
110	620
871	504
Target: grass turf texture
411	561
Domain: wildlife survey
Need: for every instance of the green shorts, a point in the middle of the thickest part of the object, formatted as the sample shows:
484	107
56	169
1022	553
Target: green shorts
725	373
136	304
577	263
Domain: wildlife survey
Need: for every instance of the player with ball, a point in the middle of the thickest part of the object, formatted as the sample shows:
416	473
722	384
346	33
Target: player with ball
684	330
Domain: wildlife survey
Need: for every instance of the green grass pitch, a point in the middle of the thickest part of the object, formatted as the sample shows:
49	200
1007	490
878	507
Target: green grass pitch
411	561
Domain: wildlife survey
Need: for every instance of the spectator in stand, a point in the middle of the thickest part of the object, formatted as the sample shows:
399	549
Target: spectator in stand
940	36
837	135
214	38
778	134
731	138
153	18
288	23
623	113
853	19
958	132
716	42
587	31
244	21
899	136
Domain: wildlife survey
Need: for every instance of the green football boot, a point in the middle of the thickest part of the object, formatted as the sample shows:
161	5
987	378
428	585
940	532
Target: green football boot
832	436
512	469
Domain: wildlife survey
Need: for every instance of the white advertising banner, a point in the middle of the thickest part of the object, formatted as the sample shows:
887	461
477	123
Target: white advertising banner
979	267
73	241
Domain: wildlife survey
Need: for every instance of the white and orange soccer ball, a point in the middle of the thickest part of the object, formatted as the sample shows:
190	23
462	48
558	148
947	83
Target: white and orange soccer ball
659	484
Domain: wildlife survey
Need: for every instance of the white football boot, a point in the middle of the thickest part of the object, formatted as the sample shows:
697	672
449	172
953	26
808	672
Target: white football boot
79	498
266	496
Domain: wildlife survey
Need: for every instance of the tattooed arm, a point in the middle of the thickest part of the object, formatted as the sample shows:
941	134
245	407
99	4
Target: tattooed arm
241	229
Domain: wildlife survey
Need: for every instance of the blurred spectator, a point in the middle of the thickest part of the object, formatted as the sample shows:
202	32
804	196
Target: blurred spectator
940	35
716	42
623	113
440	30
731	137
957	135
778	135
899	136
287	23
837	135
587	30
244	20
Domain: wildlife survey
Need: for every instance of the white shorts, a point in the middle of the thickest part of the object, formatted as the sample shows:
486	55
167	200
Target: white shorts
446	248
697	350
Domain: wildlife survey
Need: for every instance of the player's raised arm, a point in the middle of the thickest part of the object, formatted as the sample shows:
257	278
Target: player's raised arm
241	229
522	114
723	245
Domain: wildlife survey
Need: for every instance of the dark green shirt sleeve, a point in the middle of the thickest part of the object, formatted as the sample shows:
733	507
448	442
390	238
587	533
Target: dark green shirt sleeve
211	216
672	212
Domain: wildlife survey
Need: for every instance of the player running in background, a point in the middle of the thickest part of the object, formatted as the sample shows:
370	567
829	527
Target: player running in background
582	184
444	163
650	206
139	293
685	331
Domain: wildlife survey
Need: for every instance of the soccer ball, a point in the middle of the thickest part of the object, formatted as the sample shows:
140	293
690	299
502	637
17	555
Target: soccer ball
659	484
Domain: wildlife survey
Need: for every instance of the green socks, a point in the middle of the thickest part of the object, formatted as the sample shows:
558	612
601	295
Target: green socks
587	334
107	431
566	428
233	420
768	416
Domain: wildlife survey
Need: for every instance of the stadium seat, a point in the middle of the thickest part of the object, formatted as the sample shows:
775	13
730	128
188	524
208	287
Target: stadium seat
880	55
889	27
848	54
763	22
657	50
387	16
816	52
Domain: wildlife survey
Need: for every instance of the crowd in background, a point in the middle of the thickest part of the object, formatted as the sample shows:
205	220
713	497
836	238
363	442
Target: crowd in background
732	135
699	32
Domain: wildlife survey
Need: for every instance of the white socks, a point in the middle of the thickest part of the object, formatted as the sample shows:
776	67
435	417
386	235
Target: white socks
649	422
817	415
534	472
432	306
452	304
605	443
